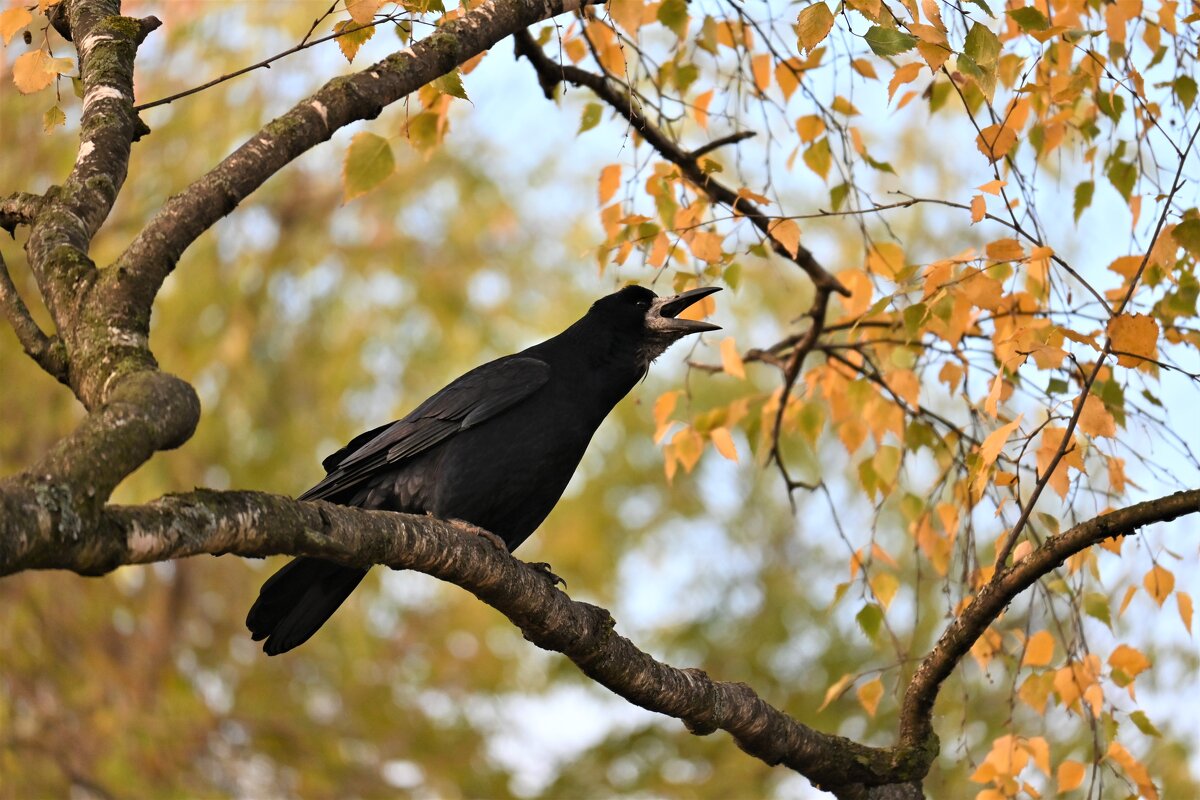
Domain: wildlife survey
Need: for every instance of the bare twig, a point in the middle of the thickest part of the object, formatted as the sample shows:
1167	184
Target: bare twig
47	351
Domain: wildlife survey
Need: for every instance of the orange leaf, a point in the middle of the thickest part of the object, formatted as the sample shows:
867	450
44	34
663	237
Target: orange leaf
1039	651
1095	419
1070	775
700	108
993	187
1129	660
989	451
1159	582
689	446
363	11
706	246
731	360
12	21
1184	601
663	407
610	179
723	441
627	14
869	695
1005	250
978	208
760	66
809	127
905	74
995	141
787	233
1135	335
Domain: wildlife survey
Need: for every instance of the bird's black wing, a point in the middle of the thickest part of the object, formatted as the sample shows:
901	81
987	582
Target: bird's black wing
473	398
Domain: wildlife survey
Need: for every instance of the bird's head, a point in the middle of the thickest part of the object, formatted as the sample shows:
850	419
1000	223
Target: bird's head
650	321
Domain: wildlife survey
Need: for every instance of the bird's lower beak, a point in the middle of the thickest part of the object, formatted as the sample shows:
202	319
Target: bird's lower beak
665	311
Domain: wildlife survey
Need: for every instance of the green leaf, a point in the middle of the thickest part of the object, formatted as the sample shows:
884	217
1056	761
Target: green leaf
870	619
837	195
1056	386
983	47
451	84
889	42
350	43
987	9
1095	605
819	157
1144	724
369	162
590	118
53	117
1185	90
1187	233
1083	197
674	14
1123	175
1029	19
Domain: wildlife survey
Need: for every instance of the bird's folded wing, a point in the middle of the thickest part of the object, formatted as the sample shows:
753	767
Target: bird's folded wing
473	398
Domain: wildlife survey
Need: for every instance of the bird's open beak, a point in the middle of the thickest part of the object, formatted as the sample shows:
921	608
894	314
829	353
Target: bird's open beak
664	313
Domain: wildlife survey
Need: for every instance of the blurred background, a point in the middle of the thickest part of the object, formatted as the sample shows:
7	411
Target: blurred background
302	321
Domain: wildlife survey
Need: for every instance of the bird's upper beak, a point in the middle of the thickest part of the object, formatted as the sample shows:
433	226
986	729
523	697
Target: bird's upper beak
664	313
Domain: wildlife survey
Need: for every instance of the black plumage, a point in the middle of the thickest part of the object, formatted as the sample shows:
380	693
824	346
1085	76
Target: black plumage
495	448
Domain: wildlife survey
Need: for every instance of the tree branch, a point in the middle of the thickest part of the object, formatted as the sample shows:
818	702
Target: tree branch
47	351
916	726
153	254
35	535
550	74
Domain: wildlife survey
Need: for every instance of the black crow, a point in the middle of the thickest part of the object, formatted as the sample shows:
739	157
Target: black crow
495	448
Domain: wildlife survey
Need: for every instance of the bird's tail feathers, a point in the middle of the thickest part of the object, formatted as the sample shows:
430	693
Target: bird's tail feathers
297	600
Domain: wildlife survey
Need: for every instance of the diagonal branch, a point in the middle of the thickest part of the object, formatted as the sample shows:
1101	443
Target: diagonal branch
916	714
47	351
253	524
551	73
153	254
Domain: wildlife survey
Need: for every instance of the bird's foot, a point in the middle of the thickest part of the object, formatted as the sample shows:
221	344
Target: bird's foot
547	573
471	528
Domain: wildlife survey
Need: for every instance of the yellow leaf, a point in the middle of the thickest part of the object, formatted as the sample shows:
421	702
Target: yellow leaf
993	187
1052	441
36	70
869	695
905	74
1037	747
1184	601
884	586
989	451
886	259
1129	660
723	441
700	108
995	141
859	285
1039	651
363	11
627	14
978	208
1159	582
835	691
731	360
906	384
813	25
1070	775
991	404
787	233
610	179
1095	420
809	127
689	446
663	407
1134	338
1134	769
12	21
935	55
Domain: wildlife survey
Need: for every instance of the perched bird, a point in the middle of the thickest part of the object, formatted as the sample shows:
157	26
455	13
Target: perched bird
495	448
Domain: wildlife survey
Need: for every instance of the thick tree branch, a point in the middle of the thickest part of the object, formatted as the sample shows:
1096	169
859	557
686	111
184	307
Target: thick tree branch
916	725
35	535
551	73
153	254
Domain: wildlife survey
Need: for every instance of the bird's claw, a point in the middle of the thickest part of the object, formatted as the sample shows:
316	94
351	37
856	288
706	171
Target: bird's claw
547	573
468	527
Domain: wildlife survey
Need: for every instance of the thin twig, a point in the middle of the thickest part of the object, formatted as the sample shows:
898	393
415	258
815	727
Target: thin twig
47	351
